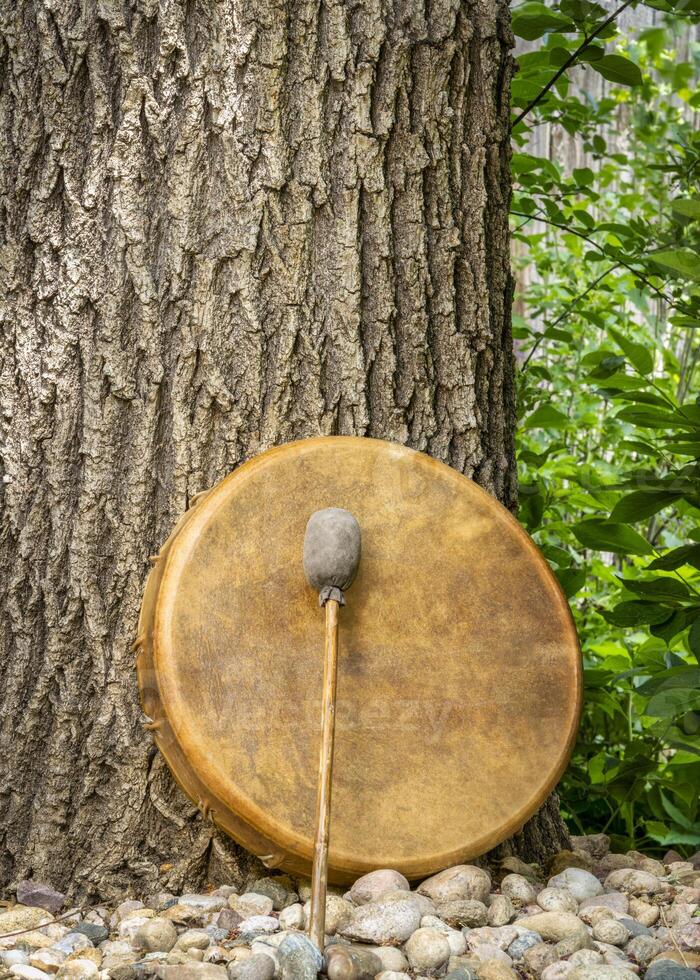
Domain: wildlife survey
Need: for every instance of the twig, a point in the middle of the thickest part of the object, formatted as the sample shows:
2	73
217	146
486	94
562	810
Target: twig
568	311
673	938
68	915
569	62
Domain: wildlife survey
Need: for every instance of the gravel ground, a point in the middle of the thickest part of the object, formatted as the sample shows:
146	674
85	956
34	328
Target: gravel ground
595	916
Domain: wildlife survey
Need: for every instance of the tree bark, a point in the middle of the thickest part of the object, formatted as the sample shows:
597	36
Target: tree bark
225	225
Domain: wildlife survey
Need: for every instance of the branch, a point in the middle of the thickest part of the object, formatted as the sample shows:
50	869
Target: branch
591	241
569	61
571	306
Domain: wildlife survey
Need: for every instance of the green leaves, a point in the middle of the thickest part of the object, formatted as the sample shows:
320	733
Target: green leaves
546	417
608	341
641	504
681	262
606	536
531	20
617	69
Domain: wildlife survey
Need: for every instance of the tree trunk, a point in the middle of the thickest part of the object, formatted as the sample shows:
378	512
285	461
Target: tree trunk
225	225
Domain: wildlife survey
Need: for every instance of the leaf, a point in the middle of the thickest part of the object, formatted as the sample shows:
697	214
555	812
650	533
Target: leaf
640	504
687	554
615	68
546	417
676	677
607	536
638	355
668	704
636	613
571	580
532	20
689	208
694	639
680	261
662	587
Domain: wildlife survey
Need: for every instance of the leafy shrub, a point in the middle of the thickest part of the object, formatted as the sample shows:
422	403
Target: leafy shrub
609	440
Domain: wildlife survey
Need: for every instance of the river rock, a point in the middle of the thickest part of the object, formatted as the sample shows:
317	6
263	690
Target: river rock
579	882
346	963
526	940
495	970
487	951
259	966
22	917
644	912
518	889
464	881
258	925
338	913
643	949
601	972
40	895
95	932
71	942
299	958
635	882
501	911
155	936
667	969
26	972
554	925
370	887
292	917
424	905
34	939
250	904
501	937
557	900
557	971
390	957
458	944
611	931
379	924
193	939
392	975
463	912
595	845
585	957
79	969
427	949
14	957
276	890
537	958
191	971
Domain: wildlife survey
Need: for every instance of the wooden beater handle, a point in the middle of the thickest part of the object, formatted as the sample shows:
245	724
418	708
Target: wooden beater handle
319	874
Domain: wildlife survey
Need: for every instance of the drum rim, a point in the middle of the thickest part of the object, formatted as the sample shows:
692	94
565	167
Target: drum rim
268	839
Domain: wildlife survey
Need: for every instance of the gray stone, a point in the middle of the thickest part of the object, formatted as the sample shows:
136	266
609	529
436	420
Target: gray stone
94	932
518	889
26	972
273	888
553	925
463	912
13	957
299	958
370	887
525	941
615	901
191	971
160	901
258	925
669	970
581	884
250	904
72	942
39	895
634	928
346	963
464	881
380	924
427	949
572	944
229	919
155	936
553	899
501	911
259	966
611	931
461	973
292	917
22	917
643	949
634	882
602	972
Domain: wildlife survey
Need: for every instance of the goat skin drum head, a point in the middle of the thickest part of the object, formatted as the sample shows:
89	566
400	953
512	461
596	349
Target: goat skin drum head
459	673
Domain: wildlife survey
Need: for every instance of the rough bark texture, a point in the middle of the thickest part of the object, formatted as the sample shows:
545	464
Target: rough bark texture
225	224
